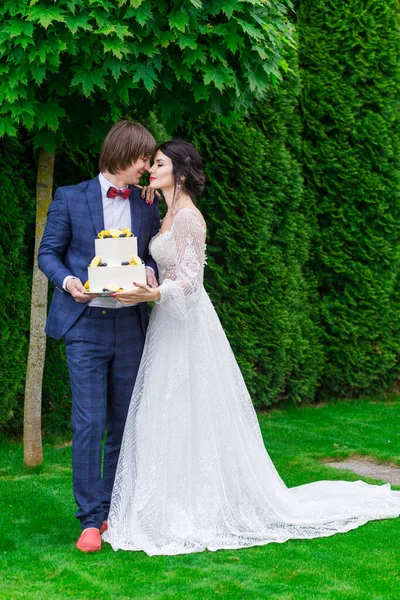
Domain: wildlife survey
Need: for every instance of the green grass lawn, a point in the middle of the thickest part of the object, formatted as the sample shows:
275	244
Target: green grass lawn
38	528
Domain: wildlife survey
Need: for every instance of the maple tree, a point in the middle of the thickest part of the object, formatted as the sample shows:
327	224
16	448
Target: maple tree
56	60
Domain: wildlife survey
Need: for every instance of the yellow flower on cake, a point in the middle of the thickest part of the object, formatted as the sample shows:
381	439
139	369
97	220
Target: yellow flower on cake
113	287
126	232
95	261
103	234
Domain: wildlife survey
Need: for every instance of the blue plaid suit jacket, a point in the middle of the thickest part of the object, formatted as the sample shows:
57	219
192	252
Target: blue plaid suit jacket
74	219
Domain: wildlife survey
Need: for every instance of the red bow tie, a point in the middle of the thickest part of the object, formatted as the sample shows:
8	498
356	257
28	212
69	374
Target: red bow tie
113	192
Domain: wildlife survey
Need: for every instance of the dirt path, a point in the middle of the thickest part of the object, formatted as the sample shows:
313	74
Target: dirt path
369	468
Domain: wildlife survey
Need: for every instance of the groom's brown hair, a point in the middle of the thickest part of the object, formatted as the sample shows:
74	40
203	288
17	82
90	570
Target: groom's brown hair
125	143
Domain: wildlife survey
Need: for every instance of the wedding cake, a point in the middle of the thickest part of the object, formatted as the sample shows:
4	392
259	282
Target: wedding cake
116	264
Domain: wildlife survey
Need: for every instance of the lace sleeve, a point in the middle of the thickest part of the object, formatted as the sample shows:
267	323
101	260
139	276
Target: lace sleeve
179	295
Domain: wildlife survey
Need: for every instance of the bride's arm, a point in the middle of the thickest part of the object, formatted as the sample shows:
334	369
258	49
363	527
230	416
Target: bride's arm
181	293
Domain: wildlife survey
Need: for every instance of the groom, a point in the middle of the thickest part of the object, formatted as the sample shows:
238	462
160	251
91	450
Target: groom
103	340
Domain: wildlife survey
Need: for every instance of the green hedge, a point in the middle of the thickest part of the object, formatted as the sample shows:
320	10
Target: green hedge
258	238
17	190
349	57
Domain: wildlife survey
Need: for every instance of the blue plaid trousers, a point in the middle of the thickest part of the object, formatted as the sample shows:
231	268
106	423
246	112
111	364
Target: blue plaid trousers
103	348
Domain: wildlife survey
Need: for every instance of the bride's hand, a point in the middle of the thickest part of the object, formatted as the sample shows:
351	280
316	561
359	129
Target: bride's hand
140	293
148	194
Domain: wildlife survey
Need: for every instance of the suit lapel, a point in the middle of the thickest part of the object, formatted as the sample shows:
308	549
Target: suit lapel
95	202
136	203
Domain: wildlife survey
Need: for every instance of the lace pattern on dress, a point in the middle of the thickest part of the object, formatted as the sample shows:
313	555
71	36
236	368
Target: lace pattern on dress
180	256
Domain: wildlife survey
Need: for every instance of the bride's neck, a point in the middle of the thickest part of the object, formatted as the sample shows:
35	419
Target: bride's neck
181	200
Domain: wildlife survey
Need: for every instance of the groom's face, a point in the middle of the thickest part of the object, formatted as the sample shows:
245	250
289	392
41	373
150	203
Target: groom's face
132	174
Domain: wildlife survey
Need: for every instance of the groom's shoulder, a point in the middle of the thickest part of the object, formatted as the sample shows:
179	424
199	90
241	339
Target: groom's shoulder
78	188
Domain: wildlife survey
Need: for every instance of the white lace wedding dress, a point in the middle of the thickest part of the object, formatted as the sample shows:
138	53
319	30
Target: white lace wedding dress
193	471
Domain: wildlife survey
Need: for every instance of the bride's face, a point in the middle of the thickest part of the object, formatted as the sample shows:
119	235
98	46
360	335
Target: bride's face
161	176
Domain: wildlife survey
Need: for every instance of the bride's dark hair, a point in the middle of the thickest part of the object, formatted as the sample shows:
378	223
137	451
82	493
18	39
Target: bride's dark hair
187	166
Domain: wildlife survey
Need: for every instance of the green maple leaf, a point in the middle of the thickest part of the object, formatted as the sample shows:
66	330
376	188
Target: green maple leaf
4	69
106	30
182	72
258	82
146	74
116	67
261	51
228	8
46	16
88	79
258	15
122	31
251	31
218	53
24	111
54	60
233	41
7	126
190	57
165	38
230	36
100	16
17	27
201	92
179	20
24	41
133	3
78	22
148	48
11	95
41	52
185	41
70	5
49	115
142	14
17	77
218	75
116	47
271	69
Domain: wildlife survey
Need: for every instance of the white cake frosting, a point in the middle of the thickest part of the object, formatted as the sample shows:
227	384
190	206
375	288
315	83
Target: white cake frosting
112	252
101	277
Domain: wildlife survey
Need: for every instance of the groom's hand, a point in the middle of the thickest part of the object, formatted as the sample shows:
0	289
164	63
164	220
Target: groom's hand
77	291
151	278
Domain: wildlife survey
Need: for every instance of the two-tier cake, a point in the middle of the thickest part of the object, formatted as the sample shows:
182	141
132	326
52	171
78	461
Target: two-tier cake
116	264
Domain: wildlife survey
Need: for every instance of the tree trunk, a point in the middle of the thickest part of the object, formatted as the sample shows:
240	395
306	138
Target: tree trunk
33	454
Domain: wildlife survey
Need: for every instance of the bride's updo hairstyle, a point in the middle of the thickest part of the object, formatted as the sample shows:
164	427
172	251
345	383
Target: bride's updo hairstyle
187	167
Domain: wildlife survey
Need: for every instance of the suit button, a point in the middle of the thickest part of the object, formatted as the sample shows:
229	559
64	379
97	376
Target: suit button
103	312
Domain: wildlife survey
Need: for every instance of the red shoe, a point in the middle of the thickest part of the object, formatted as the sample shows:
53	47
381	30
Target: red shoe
89	540
104	527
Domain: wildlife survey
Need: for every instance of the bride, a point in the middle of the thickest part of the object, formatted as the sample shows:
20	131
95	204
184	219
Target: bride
193	472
